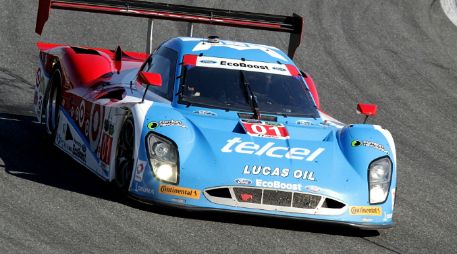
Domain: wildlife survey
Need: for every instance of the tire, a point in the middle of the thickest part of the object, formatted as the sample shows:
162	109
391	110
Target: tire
124	155
52	105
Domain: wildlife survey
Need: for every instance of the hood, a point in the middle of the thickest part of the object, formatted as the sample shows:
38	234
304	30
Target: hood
215	150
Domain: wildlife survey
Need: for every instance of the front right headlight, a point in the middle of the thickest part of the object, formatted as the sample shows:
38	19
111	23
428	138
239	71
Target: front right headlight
163	158
379	177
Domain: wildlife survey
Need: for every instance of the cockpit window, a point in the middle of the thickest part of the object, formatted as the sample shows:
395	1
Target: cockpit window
225	89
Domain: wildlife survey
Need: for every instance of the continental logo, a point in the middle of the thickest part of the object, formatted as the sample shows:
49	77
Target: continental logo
179	191
365	210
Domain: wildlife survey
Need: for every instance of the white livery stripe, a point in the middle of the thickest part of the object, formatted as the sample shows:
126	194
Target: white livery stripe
389	139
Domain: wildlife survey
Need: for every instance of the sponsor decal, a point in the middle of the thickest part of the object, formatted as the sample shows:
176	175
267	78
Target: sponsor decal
271	150
207	61
79	151
80	114
166	123
236	64
178	200
365	210
280	172
204	113
64	139
265	129
153	125
278	68
388	216
144	189
94	125
244	65
371	144
90	119
278	185
105	151
245	197
303	123
312	188
140	167
179	191
68	135
243	181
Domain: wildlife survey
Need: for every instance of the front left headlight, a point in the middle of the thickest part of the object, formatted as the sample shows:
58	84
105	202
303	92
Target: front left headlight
163	158
379	177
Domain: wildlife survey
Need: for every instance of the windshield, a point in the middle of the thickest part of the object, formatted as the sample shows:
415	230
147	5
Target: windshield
223	88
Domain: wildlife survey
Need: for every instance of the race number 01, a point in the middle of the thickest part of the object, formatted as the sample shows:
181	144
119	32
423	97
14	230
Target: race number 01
259	129
262	130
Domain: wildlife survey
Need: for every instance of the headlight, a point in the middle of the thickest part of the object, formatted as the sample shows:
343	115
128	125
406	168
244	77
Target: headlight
163	158
379	176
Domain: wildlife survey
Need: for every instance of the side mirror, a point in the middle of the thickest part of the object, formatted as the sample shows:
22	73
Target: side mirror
367	110
149	78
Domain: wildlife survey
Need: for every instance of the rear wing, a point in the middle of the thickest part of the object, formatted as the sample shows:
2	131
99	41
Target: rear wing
277	23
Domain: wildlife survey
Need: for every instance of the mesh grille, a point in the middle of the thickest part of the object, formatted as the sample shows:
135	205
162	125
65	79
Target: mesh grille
306	201
277	198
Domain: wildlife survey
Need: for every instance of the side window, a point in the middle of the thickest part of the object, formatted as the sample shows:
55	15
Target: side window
163	62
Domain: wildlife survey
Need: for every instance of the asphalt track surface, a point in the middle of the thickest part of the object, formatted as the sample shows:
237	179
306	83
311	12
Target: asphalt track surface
400	55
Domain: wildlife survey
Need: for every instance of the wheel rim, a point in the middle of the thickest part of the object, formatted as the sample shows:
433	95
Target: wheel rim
124	158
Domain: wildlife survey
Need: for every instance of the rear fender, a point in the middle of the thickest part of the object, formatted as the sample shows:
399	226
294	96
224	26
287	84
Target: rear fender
48	62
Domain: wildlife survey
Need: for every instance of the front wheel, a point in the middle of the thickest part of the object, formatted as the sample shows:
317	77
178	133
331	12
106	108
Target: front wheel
124	155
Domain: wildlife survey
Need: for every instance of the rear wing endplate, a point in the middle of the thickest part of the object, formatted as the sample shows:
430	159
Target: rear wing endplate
277	23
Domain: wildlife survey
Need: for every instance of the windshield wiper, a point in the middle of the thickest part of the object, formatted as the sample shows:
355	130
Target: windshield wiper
250	96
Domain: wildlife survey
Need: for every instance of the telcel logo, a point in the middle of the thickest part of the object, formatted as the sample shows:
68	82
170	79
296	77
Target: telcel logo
270	150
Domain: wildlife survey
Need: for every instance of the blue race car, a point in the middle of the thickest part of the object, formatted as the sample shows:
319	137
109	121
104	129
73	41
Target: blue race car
205	123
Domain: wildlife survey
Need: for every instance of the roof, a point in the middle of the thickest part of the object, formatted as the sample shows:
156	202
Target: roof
227	49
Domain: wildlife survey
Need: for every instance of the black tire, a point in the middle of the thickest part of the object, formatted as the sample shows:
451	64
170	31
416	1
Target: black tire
124	155
52	104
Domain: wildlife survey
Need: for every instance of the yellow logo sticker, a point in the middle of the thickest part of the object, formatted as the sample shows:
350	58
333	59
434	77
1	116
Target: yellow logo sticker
365	210
179	191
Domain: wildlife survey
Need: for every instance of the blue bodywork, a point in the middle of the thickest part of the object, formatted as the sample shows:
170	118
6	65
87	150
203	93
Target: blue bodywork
210	155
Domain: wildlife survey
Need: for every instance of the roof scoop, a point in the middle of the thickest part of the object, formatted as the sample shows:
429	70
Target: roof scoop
213	39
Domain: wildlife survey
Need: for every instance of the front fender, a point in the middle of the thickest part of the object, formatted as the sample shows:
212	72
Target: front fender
362	143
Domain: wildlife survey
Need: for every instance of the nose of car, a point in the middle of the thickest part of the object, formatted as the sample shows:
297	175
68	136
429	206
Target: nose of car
224	154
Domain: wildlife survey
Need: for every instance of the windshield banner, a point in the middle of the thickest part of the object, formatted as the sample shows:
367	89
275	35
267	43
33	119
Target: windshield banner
233	64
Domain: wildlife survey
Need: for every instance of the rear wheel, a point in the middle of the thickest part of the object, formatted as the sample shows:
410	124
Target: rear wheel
52	104
124	156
